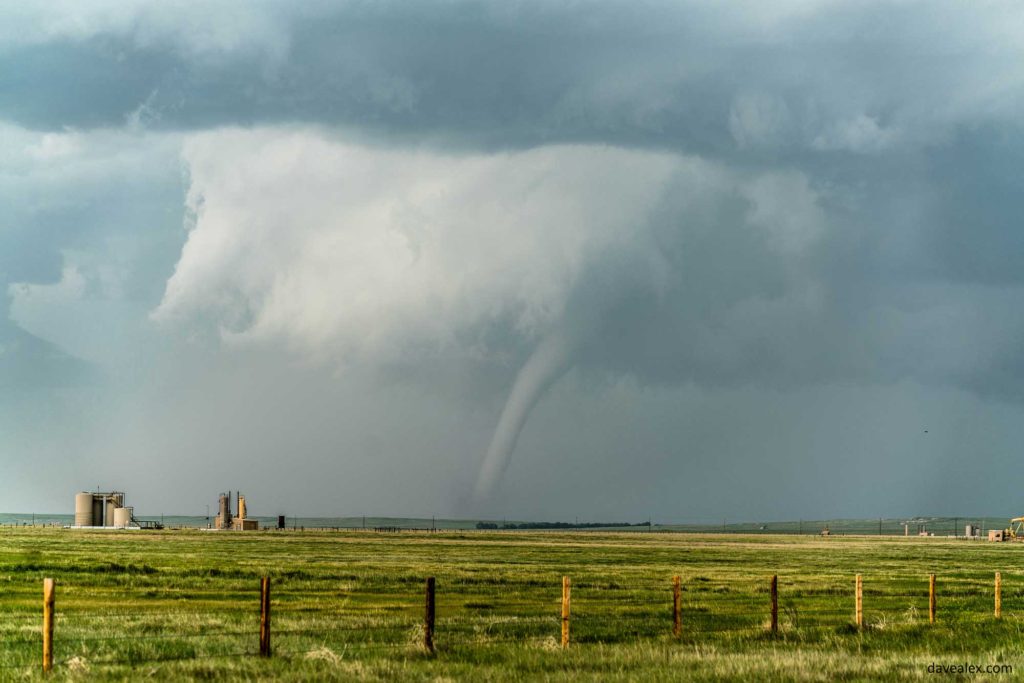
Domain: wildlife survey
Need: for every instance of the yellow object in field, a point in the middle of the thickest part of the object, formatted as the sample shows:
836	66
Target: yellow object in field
1016	530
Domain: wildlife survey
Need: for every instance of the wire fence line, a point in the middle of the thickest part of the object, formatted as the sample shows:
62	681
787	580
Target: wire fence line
398	626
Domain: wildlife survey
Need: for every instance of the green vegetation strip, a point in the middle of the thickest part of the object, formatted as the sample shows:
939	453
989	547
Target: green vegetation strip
349	605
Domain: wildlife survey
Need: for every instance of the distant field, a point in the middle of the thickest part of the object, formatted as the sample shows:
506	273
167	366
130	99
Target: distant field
938	526
348	605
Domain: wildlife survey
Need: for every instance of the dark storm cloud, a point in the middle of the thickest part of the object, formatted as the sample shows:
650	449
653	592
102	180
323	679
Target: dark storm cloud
914	277
681	75
843	210
94	209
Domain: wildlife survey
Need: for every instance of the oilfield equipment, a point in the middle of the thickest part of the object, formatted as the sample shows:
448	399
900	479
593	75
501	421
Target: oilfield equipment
1016	529
1014	532
106	510
224	520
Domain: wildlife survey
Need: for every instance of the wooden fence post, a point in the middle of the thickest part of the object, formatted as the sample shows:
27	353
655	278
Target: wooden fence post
428	617
860	602
931	598
566	588
48	600
999	595
774	588
265	616
677	607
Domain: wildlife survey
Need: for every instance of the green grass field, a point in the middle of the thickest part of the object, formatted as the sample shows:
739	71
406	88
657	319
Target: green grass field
349	605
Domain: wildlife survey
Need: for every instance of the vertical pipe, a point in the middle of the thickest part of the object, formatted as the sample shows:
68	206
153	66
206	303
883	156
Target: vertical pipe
677	607
428	617
931	598
774	589
48	600
999	595
566	588
860	602
265	616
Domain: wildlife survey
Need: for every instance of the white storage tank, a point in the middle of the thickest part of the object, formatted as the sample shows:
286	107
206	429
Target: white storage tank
83	509
110	506
122	517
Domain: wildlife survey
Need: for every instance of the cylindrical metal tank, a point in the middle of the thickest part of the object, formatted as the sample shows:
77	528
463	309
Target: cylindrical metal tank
83	509
122	517
112	505
241	507
225	510
98	511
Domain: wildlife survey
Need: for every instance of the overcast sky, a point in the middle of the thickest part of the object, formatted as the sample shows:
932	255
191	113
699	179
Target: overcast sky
536	260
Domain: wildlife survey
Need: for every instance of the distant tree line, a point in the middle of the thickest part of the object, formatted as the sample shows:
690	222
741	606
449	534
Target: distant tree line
557	525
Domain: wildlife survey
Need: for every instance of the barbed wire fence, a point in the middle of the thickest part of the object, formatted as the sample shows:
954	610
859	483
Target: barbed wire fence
113	626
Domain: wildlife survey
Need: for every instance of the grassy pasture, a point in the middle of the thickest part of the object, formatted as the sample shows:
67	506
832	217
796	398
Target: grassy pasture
348	605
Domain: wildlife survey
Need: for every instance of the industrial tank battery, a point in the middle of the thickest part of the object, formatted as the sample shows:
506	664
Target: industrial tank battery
97	509
122	517
83	509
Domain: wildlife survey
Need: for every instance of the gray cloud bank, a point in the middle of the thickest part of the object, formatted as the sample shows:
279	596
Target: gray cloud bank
745	207
770	80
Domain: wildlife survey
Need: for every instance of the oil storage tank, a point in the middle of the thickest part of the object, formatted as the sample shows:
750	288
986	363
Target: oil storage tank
111	503
99	511
122	517
83	509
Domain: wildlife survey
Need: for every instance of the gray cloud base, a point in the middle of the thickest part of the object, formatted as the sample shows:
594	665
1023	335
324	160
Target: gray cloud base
770	80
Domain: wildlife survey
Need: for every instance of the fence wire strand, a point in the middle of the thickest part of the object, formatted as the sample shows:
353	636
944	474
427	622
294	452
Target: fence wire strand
602	612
